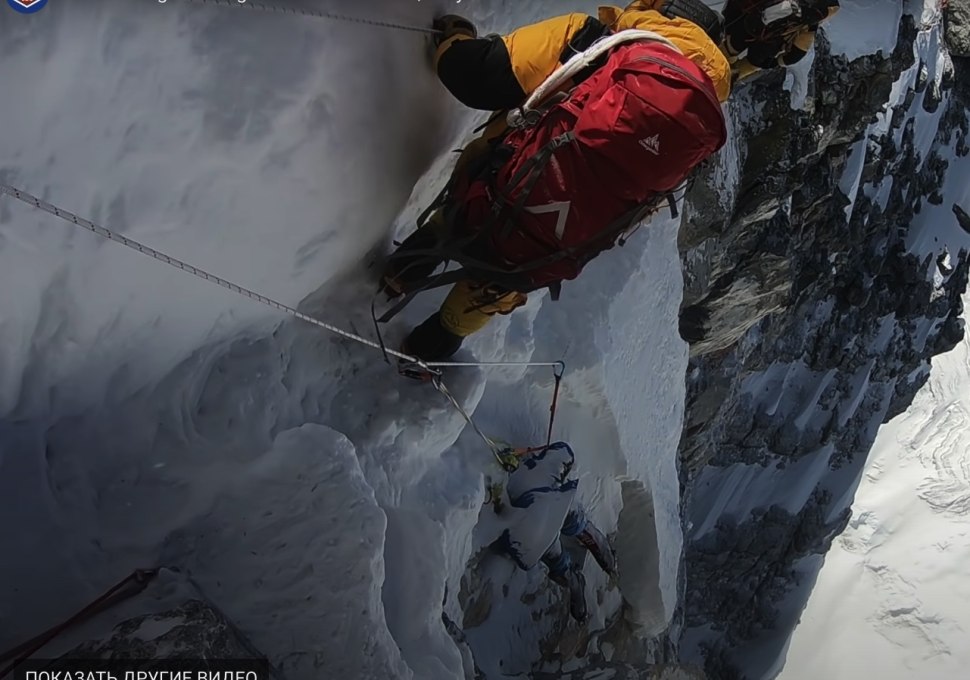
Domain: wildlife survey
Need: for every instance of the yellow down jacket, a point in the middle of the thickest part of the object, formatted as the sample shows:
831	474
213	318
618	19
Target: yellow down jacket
499	72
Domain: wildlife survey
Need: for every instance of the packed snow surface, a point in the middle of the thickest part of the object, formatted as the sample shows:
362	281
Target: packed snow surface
863	27
838	645
148	418
891	600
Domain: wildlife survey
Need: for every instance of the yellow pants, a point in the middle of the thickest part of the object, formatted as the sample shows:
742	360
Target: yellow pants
471	305
744	69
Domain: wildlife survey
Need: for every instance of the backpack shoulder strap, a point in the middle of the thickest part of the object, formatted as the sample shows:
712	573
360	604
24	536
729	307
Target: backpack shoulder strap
431	283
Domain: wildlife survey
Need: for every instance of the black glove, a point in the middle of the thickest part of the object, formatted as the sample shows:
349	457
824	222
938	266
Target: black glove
451	25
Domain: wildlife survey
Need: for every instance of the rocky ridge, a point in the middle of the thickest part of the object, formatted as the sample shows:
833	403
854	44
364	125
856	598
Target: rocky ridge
808	330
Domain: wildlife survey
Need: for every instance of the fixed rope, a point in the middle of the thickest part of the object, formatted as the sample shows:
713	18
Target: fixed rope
507	456
129	586
500	452
24	197
281	9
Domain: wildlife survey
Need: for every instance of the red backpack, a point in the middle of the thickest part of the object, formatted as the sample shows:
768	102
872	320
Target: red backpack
589	166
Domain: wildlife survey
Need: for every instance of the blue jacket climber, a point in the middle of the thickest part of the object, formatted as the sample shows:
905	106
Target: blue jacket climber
542	509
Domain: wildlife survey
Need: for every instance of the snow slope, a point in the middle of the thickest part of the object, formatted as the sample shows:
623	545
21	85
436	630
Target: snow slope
147	418
863	27
890	600
744	507
894	588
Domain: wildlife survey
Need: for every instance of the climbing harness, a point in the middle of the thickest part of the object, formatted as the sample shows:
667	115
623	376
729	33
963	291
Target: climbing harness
280	9
129	586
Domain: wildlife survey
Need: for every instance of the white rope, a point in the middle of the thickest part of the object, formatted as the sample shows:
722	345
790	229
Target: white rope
280	9
212	278
496	448
577	63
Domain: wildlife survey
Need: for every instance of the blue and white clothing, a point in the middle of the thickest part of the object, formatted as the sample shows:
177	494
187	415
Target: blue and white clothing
542	500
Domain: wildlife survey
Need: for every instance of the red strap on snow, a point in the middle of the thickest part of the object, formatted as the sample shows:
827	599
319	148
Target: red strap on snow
133	584
552	408
552	418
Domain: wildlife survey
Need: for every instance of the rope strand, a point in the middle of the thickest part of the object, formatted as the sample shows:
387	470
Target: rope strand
140	578
280	9
496	448
24	197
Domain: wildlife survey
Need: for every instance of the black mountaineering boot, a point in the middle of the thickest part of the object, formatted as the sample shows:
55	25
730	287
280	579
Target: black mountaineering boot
575	584
598	545
428	342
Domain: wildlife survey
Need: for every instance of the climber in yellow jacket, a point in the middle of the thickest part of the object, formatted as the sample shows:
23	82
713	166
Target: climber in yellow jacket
765	34
498	73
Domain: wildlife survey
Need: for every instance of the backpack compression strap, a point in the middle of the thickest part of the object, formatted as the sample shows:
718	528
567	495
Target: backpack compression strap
577	63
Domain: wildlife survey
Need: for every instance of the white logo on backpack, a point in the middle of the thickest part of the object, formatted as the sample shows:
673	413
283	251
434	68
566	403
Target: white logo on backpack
561	208
651	144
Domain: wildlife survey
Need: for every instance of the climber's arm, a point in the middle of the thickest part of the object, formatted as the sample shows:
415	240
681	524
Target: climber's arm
497	73
800	46
478	72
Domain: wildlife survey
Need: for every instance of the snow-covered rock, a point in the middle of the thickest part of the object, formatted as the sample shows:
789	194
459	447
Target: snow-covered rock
841	211
170	619
957	23
895	577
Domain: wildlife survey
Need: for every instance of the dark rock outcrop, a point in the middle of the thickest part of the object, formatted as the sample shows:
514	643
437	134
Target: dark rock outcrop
171	619
811	323
622	671
192	630
957	21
